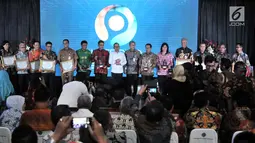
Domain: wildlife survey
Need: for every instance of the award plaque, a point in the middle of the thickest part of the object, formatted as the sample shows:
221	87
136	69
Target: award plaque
21	64
182	61
164	66
35	66
67	66
47	65
8	61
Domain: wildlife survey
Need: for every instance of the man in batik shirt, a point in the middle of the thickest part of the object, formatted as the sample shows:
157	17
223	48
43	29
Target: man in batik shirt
201	53
101	57
67	54
222	53
200	116
23	76
49	76
132	68
84	63
240	56
147	63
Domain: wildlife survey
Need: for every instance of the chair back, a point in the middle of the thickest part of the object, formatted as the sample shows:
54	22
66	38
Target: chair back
174	138
40	135
5	135
235	134
203	136
131	136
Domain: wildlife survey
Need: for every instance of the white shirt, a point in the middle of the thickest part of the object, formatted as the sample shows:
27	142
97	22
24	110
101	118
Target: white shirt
83	113
112	60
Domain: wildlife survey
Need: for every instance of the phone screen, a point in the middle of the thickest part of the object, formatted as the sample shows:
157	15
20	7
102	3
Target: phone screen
78	122
153	90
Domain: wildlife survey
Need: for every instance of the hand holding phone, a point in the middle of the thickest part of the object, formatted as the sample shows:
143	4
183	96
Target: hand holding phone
79	122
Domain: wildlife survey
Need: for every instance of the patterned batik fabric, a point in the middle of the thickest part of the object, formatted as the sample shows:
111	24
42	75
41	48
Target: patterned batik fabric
84	60
123	122
133	57
101	58
149	61
203	118
239	120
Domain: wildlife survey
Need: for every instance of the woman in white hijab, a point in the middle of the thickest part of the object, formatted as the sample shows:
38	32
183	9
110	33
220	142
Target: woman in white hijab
10	117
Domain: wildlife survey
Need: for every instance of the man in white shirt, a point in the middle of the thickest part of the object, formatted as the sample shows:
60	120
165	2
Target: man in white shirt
117	60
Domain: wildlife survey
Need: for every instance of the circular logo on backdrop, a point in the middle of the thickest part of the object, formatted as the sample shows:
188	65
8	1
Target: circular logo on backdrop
116	23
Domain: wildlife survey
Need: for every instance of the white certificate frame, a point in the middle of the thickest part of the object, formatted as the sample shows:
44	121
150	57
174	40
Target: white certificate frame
67	66
34	66
8	60
182	61
21	64
47	65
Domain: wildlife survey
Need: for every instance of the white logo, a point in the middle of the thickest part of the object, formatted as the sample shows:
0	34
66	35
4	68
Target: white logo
236	15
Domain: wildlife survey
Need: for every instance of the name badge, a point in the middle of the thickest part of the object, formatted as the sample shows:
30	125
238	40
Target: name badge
101	66
145	69
134	59
164	67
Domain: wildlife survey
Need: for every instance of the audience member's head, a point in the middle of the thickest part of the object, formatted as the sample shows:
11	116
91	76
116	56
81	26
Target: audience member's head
167	103
179	73
84	102
125	105
24	134
58	112
154	111
225	64
210	63
240	69
41	97
200	99
241	98
16	102
104	118
245	137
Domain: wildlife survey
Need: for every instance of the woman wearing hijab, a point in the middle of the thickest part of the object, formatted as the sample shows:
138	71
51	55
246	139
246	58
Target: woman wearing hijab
178	89
6	87
10	118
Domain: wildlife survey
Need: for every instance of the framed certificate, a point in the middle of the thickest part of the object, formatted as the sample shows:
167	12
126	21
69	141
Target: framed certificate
8	60
47	65
21	64
182	61
35	66
67	66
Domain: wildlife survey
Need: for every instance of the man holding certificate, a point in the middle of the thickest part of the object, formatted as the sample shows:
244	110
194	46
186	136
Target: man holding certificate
8	61
22	66
100	57
48	62
84	62
68	62
34	59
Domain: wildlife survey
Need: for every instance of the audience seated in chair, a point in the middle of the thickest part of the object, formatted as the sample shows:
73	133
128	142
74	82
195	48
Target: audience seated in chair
178	125
84	105
39	118
200	115
56	114
240	118
124	121
104	118
10	118
24	134
151	126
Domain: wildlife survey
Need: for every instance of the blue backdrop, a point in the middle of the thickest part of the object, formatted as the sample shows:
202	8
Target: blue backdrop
144	21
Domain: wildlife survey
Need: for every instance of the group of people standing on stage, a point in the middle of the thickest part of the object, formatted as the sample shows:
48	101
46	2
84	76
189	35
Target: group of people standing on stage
132	62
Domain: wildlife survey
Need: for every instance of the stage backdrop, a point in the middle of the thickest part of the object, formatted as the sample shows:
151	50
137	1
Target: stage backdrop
144	21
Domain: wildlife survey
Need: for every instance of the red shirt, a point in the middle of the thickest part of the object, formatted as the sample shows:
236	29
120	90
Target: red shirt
101	58
34	55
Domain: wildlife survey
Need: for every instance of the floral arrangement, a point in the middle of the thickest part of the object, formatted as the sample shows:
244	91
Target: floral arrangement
211	46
